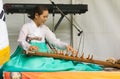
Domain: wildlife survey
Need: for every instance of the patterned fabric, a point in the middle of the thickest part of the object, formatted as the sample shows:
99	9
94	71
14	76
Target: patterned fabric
66	75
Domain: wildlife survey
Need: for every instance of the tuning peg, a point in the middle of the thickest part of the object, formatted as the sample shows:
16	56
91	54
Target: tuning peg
74	54
82	55
64	53
69	53
77	54
55	51
91	57
61	52
88	56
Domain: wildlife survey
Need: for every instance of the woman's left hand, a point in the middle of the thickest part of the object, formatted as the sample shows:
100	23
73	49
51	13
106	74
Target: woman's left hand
72	50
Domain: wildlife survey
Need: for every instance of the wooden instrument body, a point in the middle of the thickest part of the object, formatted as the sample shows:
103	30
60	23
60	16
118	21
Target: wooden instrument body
79	59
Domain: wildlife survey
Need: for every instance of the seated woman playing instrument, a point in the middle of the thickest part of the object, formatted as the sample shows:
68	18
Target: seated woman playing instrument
32	37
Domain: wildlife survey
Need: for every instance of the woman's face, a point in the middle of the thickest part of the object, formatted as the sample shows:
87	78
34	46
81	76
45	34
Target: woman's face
40	19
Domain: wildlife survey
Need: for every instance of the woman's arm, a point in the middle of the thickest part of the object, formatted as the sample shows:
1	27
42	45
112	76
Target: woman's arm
51	38
22	38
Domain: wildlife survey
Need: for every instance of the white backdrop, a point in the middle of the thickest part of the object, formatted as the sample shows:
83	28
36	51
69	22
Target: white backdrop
100	25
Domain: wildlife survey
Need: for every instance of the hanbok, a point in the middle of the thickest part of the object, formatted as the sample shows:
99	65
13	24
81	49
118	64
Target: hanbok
23	63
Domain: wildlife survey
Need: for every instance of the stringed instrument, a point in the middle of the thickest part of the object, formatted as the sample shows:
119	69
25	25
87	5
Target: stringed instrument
62	55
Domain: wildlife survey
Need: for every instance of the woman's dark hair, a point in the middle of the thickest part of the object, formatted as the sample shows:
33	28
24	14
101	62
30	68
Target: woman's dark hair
37	9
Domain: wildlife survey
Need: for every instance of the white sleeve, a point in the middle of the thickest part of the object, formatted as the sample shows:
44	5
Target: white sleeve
22	37
51	38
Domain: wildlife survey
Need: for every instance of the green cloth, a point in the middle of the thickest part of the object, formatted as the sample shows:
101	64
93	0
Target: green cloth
42	47
24	63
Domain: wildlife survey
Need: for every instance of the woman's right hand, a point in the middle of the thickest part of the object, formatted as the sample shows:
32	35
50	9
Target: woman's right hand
33	48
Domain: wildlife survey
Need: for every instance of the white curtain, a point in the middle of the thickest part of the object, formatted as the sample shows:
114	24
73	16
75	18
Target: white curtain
101	28
100	25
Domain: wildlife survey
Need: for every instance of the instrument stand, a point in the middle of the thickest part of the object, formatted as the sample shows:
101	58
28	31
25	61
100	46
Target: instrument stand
62	16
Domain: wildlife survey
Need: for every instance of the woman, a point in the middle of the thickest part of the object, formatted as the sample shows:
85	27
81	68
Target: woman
32	38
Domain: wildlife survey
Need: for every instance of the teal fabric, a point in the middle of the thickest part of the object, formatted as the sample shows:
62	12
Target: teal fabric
42	46
24	63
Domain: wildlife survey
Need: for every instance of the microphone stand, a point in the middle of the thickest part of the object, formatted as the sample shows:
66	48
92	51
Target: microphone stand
79	31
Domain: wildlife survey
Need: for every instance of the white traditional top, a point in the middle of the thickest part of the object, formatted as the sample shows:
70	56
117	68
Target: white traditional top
31	30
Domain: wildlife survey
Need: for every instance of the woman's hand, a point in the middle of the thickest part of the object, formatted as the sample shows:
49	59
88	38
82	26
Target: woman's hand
33	48
72	50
